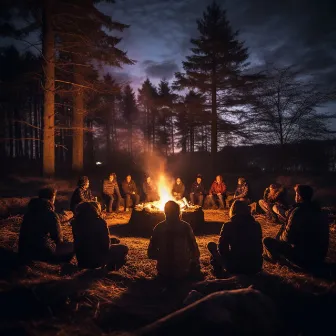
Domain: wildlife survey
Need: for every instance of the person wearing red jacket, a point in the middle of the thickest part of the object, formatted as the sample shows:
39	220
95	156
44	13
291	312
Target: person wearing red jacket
217	192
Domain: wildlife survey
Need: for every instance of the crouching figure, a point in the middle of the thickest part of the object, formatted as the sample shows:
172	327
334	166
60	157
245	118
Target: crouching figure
173	245
240	243
93	245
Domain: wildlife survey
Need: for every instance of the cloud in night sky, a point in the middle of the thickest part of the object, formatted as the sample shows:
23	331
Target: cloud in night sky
284	32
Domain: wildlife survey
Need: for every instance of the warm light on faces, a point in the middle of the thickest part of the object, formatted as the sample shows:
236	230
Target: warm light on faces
86	185
128	178
148	180
111	177
178	181
218	179
198	180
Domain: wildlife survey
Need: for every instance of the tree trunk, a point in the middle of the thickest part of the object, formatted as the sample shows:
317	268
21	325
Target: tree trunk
172	134
78	124
213	118
49	91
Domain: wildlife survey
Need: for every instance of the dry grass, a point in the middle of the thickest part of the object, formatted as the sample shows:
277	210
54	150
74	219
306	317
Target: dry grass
48	299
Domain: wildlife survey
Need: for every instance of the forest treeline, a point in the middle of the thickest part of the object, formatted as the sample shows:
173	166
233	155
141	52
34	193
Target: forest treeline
59	108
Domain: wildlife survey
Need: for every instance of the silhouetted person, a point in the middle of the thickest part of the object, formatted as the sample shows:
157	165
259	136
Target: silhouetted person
217	192
178	189
91	239
173	245
150	190
111	192
131	192
304	239
197	191
240	243
41	235
274	202
82	193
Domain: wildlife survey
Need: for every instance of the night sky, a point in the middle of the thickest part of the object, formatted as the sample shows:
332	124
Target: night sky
286	32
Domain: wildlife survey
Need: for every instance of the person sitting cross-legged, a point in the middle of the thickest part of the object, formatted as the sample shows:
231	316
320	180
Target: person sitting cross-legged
173	245
81	194
41	236
111	192
274	202
131	192
217	192
304	239
178	189
240	243
92	242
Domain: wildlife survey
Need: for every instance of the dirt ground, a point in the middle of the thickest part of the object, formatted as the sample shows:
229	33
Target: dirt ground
43	299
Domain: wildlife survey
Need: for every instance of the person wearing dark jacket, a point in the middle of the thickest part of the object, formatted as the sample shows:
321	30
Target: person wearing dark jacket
178	189
217	192
92	243
240	244
274	202
131	192
173	245
150	190
111	192
304	239
41	235
82	193
197	191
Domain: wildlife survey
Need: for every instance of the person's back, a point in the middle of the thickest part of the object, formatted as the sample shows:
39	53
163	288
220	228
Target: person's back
241	244
308	231
174	246
40	231
91	237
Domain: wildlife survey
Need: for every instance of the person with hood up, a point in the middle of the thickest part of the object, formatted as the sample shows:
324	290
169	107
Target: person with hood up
93	246
240	248
304	239
197	191
81	194
178	189
131	192
41	236
217	192
173	245
111	192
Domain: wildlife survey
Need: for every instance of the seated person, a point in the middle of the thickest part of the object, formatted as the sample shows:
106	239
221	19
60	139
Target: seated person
111	192
131	192
197	191
242	192
304	239
82	193
274	202
240	243
92	243
41	235
178	189
173	245
217	192
150	190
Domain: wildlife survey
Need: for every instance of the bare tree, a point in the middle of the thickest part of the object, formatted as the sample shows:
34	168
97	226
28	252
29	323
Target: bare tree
286	109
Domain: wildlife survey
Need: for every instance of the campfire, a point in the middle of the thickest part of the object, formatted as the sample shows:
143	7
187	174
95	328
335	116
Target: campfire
164	191
146	215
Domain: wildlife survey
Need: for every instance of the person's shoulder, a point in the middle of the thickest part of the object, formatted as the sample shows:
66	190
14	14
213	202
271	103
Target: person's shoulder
185	223
159	226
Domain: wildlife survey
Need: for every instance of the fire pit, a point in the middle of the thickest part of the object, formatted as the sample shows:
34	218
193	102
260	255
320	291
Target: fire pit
146	215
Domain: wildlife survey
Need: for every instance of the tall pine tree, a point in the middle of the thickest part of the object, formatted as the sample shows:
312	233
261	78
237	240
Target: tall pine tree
215	67
130	112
